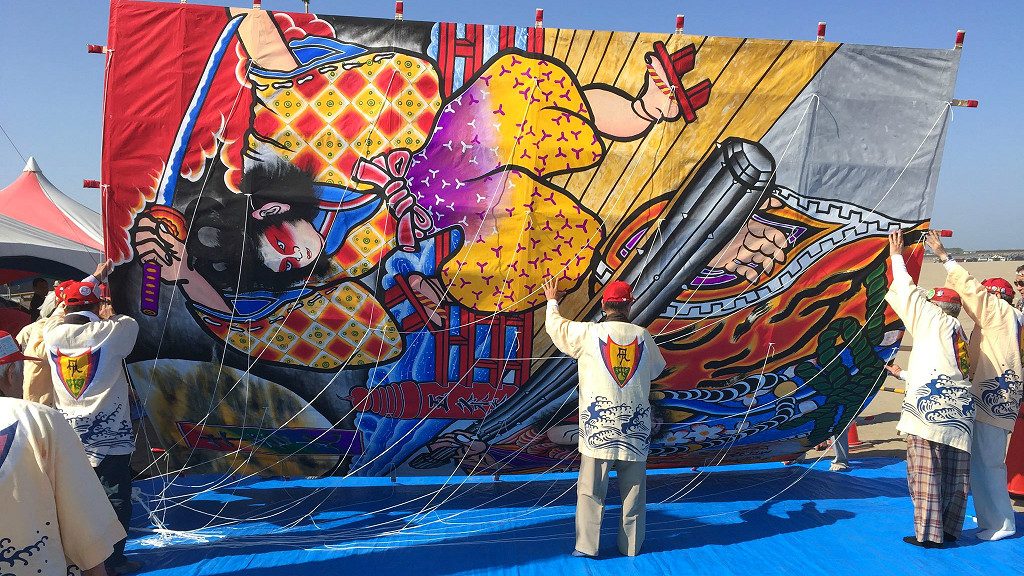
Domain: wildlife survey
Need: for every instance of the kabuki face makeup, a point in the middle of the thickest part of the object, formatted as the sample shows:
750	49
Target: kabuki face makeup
290	245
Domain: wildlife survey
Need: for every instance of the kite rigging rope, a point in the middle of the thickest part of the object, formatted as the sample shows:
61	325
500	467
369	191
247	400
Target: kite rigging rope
13	145
655	236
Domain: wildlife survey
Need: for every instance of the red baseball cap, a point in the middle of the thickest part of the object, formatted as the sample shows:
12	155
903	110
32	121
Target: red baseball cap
617	291
59	290
78	293
9	349
944	295
998	286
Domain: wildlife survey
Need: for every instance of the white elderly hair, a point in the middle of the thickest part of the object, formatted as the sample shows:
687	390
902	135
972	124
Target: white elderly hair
11	376
951	308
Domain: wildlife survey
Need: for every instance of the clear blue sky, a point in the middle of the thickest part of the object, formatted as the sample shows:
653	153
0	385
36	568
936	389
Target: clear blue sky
51	88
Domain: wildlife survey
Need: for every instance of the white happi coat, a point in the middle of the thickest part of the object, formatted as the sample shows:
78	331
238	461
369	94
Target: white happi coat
617	361
938	405
90	387
55	512
996	346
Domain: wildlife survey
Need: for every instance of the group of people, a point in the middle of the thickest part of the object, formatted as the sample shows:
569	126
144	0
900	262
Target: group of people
962	399
66	436
962	396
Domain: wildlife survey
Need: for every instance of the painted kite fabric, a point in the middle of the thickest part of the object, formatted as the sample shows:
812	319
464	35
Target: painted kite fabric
332	232
617	362
60	519
89	383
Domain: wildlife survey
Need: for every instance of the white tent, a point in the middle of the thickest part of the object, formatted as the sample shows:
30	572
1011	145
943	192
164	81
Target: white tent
44	232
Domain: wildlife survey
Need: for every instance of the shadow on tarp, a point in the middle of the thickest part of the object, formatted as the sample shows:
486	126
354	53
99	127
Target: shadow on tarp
817	522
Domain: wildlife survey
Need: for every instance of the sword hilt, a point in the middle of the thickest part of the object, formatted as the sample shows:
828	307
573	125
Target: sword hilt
149	298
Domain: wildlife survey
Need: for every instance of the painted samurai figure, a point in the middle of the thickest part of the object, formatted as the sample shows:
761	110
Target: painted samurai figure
351	153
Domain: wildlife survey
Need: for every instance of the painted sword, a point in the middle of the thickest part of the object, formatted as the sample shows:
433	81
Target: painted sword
727	189
149	296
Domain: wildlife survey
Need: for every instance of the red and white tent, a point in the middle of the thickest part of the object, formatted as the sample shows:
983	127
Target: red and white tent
44	232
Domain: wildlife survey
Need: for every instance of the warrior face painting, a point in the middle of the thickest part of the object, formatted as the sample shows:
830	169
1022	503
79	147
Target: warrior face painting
278	245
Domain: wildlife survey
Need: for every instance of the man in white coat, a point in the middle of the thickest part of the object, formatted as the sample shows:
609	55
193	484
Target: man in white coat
996	347
938	410
54	511
617	361
90	388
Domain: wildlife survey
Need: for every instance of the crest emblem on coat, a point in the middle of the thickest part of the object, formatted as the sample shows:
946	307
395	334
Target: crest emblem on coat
76	372
6	439
622	360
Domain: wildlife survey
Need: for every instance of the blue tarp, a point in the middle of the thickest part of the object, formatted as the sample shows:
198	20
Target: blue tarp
715	521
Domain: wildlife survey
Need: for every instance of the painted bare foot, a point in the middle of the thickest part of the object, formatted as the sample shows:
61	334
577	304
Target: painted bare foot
664	97
655	101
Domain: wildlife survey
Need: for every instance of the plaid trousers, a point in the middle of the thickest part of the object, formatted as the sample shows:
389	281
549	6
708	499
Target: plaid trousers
939	478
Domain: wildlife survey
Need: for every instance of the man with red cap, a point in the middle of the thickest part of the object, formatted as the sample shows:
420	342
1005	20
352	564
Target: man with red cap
938	410
11	361
617	361
85	355
55	514
996	347
37	385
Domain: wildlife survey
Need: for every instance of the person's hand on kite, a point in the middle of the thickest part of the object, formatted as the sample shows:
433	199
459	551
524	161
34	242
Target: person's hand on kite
551	288
934	243
894	369
756	250
896	243
103	270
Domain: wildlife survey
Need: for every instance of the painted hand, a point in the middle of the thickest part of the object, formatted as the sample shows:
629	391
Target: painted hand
157	241
388	173
756	250
465	450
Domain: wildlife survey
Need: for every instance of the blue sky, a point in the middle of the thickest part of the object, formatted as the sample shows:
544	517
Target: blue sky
51	92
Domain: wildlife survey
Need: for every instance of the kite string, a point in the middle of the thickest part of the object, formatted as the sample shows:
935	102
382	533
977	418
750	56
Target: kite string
904	170
527	225
481	224
231	321
346	361
219	143
449	285
493	197
242	85
821	370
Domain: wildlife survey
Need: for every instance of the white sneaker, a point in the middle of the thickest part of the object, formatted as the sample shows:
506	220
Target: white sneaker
839	467
993	535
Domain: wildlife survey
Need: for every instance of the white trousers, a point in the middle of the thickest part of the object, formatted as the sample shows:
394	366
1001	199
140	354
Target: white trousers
988	478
